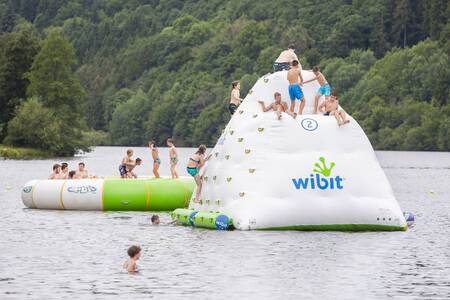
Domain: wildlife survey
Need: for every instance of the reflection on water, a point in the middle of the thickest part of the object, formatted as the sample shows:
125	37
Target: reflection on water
56	254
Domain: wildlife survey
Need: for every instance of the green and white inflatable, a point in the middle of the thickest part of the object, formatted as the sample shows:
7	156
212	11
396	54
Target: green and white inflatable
304	174
109	194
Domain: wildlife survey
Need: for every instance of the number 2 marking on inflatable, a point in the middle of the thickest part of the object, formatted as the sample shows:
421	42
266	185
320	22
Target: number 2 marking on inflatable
309	124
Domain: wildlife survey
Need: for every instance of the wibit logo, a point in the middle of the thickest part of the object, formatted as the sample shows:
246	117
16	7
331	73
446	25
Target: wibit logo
321	179
82	189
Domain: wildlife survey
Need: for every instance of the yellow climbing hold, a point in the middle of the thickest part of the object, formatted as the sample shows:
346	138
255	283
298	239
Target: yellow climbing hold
251	170
241	112
227	157
260	129
205	178
231	132
255	115
229	179
241	194
247	151
216	154
240	140
207	201
266	80
214	177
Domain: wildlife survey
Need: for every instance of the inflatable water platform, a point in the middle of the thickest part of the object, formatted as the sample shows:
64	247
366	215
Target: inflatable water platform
110	194
304	173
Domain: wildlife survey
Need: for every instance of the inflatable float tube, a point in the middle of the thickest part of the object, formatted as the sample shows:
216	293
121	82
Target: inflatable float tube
109	194
202	219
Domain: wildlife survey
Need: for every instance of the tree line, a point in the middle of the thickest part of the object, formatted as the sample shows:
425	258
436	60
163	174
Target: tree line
124	72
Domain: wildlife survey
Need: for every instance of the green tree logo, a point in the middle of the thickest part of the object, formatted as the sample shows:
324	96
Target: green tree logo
322	168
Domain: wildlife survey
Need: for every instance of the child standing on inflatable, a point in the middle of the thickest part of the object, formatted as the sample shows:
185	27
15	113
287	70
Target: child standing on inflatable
197	161
173	156
330	107
324	90
294	76
235	97
134	252
155	156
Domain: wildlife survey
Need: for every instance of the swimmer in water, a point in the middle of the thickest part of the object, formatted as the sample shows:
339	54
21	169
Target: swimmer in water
155	220
197	161
134	252
173	156
155	157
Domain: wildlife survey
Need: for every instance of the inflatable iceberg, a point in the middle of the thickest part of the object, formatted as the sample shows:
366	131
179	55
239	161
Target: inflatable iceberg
306	173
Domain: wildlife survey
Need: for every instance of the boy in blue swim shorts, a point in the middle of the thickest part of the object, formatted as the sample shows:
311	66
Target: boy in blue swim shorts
295	79
324	90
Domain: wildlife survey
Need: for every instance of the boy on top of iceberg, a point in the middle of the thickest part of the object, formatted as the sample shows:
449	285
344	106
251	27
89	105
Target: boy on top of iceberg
277	106
330	107
294	76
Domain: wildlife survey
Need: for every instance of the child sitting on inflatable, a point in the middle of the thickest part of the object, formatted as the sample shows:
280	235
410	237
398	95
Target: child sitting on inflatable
195	163
134	252
324	89
278	107
330	107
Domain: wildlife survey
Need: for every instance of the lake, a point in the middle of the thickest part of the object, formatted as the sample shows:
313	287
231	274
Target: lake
79	255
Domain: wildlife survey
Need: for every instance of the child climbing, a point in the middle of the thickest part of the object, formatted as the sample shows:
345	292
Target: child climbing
295	79
127	161
235	97
173	156
324	89
195	163
284	60
278	107
155	157
330	107
134	252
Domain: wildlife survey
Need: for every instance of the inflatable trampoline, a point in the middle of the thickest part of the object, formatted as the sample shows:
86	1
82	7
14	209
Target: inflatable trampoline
111	194
306	173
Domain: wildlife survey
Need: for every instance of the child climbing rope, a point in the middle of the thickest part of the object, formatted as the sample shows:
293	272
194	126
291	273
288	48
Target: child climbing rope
324	89
197	161
330	107
278	107
173	156
235	97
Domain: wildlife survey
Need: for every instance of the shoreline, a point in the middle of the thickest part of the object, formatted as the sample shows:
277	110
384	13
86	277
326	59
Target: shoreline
10	152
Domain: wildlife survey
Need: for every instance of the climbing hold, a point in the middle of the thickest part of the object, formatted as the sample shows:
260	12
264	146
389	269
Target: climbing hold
216	154
241	194
266	80
200	201
260	129
240	140
251	171
247	151
229	179
227	157
250	92
207	202
231	132
241	112
218	201
255	115
214	177
205	178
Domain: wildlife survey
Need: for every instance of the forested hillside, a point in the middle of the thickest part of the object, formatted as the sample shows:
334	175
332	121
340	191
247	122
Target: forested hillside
156	69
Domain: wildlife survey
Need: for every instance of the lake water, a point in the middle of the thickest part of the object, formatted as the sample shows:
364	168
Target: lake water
78	255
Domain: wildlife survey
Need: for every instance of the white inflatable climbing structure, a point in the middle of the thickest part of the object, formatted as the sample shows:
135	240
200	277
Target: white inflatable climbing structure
306	173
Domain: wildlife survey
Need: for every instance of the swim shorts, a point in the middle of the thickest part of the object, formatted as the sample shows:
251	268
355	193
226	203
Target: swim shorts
192	171
122	170
157	161
295	92
281	67
173	160
325	90
232	108
326	113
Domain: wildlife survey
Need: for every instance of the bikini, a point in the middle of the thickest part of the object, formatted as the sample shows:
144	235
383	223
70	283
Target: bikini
193	170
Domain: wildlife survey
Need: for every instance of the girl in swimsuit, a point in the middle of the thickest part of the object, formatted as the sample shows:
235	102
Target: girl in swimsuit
156	159
173	158
197	161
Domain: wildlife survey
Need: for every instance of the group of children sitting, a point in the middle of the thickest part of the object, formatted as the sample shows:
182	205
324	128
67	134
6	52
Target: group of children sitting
329	107
61	171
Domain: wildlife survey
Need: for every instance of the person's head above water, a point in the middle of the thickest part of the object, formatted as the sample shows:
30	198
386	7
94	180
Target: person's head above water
316	70
235	85
56	168
291	47
134	252
277	97
170	142
130	152
201	149
295	63
155	220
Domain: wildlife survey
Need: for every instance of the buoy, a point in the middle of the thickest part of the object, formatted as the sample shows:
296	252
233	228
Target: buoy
409	217
210	220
